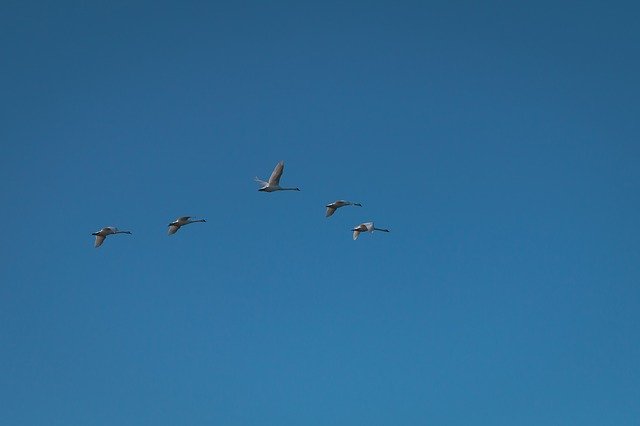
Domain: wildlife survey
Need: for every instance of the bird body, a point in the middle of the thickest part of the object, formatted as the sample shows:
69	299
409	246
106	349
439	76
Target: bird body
332	207
102	234
274	181
365	227
181	221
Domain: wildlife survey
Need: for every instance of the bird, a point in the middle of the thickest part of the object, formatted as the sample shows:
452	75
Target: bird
331	208
102	234
181	221
274	181
365	227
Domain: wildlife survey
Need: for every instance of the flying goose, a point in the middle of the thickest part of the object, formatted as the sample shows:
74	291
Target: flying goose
102	234
181	221
331	208
274	181
365	227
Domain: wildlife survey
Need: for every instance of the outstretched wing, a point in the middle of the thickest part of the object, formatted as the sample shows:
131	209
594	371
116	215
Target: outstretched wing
173	229
356	234
262	183
277	173
330	211
99	240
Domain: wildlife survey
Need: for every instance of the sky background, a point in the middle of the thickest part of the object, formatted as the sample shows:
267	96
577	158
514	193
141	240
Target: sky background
499	142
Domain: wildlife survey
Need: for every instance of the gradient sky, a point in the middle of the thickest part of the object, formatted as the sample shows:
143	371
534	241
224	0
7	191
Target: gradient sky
498	142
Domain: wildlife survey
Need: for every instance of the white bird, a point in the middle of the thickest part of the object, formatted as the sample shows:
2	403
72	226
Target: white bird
365	227
102	234
274	181
181	221
331	208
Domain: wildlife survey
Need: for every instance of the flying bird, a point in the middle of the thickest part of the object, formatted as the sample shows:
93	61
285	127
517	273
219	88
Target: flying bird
181	221
102	234
331	208
274	181
365	227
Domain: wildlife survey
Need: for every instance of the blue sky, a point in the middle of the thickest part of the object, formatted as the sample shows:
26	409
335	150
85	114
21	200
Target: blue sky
498	142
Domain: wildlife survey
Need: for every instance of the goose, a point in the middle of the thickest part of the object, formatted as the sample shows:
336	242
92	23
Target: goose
365	227
331	208
181	221
102	234
274	180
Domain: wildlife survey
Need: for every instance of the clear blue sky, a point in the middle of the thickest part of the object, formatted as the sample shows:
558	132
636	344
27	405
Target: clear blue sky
498	142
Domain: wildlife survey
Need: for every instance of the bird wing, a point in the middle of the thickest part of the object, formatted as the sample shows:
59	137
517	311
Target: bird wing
183	218
173	229
330	211
99	240
277	173
261	182
356	233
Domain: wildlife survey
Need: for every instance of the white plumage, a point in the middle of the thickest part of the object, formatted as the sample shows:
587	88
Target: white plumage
102	234
332	207
274	180
365	227
182	221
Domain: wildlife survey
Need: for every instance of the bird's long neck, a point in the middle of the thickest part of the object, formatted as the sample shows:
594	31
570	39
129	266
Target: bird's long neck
289	189
197	220
122	232
380	229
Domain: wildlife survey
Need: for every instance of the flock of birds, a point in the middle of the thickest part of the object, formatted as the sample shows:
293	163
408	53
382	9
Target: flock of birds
272	185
